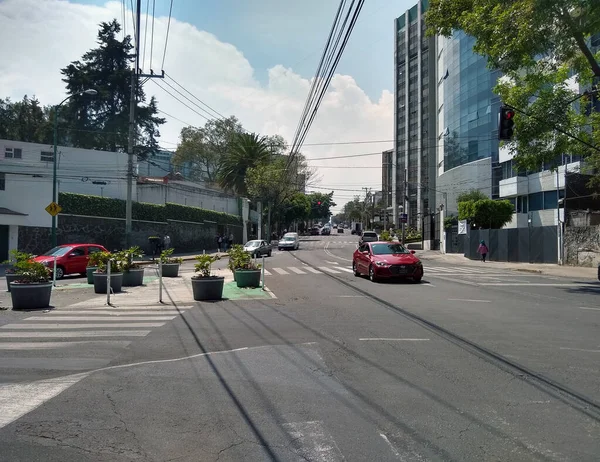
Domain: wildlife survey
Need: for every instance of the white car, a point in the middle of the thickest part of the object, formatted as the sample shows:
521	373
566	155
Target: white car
289	241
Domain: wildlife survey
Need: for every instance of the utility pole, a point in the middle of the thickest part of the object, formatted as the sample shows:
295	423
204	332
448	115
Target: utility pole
135	75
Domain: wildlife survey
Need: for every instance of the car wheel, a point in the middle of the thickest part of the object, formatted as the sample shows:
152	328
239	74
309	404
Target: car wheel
372	275
60	272
354	270
417	280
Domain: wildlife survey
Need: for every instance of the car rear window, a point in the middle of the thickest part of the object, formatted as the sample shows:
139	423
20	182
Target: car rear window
369	235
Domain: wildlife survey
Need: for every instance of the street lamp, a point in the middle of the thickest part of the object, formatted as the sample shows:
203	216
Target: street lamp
90	92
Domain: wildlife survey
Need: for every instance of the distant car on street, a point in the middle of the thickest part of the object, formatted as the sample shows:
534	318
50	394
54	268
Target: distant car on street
258	248
340	230
315	231
380	260
368	236
70	258
289	241
326	231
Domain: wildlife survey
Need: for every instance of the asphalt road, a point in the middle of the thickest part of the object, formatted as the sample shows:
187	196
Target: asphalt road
474	364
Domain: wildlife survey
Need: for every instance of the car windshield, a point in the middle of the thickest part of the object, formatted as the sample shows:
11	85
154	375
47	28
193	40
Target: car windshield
58	251
369	235
388	249
288	238
253	244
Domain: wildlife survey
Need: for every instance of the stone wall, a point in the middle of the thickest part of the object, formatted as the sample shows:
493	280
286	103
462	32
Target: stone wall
110	232
582	245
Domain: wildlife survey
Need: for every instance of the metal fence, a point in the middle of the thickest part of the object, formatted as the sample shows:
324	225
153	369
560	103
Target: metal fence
525	245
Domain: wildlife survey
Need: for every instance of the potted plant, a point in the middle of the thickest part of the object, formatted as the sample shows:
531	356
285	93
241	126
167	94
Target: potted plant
32	288
15	258
204	285
170	264
101	274
133	273
246	271
234	253
94	261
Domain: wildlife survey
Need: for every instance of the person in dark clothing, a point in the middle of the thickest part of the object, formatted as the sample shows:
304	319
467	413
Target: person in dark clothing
219	242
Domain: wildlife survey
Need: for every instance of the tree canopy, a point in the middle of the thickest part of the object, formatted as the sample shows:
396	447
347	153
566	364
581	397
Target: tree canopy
546	52
26	120
486	213
472	195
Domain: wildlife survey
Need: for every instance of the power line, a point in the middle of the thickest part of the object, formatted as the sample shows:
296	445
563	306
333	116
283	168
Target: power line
210	116
123	18
219	115
133	22
167	37
177	99
145	33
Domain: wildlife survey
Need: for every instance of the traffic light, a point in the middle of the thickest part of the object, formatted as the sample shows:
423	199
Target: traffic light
506	123
318	202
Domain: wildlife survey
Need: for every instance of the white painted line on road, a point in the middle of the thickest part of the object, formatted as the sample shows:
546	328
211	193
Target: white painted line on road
280	271
296	270
91	314
81	333
375	339
267	273
343	268
99	318
536	284
271	294
313	270
389	443
350	296
329	270
331	262
55	345
132	325
592	309
468	300
311	441
580	349
18	399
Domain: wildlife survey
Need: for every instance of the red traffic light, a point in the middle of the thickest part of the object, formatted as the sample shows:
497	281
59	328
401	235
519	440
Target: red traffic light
319	203
509	114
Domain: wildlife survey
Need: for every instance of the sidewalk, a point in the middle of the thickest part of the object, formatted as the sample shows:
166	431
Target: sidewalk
537	268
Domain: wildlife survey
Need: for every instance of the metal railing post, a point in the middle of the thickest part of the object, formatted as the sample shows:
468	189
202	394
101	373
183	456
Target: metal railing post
54	273
160	281
263	272
108	281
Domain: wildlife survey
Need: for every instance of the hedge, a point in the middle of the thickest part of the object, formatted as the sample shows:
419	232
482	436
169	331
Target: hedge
96	206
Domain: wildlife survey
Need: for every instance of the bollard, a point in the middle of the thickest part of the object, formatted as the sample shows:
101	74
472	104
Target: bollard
263	272
54	273
160	281
108	265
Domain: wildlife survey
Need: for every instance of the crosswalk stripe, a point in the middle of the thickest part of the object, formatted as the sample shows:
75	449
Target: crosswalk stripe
81	333
55	345
280	271
296	270
65	364
267	273
343	268
132	325
91	314
312	270
329	270
99	318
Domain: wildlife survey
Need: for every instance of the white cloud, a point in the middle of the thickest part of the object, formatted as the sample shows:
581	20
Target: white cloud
46	35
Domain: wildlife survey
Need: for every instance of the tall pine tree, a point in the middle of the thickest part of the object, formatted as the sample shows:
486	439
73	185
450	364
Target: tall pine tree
102	121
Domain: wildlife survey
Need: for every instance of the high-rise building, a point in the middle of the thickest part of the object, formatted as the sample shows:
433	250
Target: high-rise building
413	164
386	184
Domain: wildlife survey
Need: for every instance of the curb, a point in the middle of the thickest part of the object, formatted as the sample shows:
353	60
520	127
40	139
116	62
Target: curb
186	258
526	270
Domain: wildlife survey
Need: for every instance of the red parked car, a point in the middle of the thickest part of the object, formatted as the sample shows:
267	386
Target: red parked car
70	258
380	260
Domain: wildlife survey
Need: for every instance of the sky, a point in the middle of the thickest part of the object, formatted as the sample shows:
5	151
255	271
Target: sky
250	58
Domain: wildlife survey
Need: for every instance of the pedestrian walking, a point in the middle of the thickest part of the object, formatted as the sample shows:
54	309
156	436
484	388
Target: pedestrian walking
230	241
219	242
483	250
167	242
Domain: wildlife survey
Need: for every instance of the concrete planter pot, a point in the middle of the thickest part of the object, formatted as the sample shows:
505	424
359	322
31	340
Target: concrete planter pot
10	277
30	296
89	272
100	285
170	270
210	288
133	278
247	278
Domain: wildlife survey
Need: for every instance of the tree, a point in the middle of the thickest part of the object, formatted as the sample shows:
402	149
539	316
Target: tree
539	46
102	121
472	195
321	204
25	120
203	148
486	213
247	150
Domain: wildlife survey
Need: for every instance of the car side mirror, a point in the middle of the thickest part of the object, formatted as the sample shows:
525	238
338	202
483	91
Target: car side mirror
413	252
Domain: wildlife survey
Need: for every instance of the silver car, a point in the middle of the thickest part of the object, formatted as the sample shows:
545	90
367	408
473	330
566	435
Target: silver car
257	248
289	241
368	236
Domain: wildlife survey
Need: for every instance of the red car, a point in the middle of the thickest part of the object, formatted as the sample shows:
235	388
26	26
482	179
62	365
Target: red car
70	258
381	260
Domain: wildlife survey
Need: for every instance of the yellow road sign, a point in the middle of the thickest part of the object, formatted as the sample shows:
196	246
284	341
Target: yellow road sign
53	209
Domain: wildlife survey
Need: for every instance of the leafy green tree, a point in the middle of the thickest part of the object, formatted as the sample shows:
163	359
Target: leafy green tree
247	151
486	213
321	204
203	148
539	46
102	121
472	195
25	120
296	208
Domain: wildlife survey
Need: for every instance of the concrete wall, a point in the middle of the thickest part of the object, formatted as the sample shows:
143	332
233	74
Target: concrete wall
582	245
28	195
474	175
181	193
109	232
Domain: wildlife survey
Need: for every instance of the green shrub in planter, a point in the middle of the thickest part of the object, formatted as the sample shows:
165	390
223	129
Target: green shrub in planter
246	272
16	256
204	285
170	264
133	273
32	289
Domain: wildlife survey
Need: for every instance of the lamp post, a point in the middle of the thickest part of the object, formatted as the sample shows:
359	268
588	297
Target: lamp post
90	92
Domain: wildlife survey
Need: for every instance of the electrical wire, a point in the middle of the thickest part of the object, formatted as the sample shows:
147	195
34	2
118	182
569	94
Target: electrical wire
219	115
123	18
145	34
133	22
210	116
177	99
152	33
167	37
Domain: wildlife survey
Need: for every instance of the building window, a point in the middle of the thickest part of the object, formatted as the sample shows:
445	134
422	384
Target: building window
13	153
2	182
536	202
550	200
46	156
